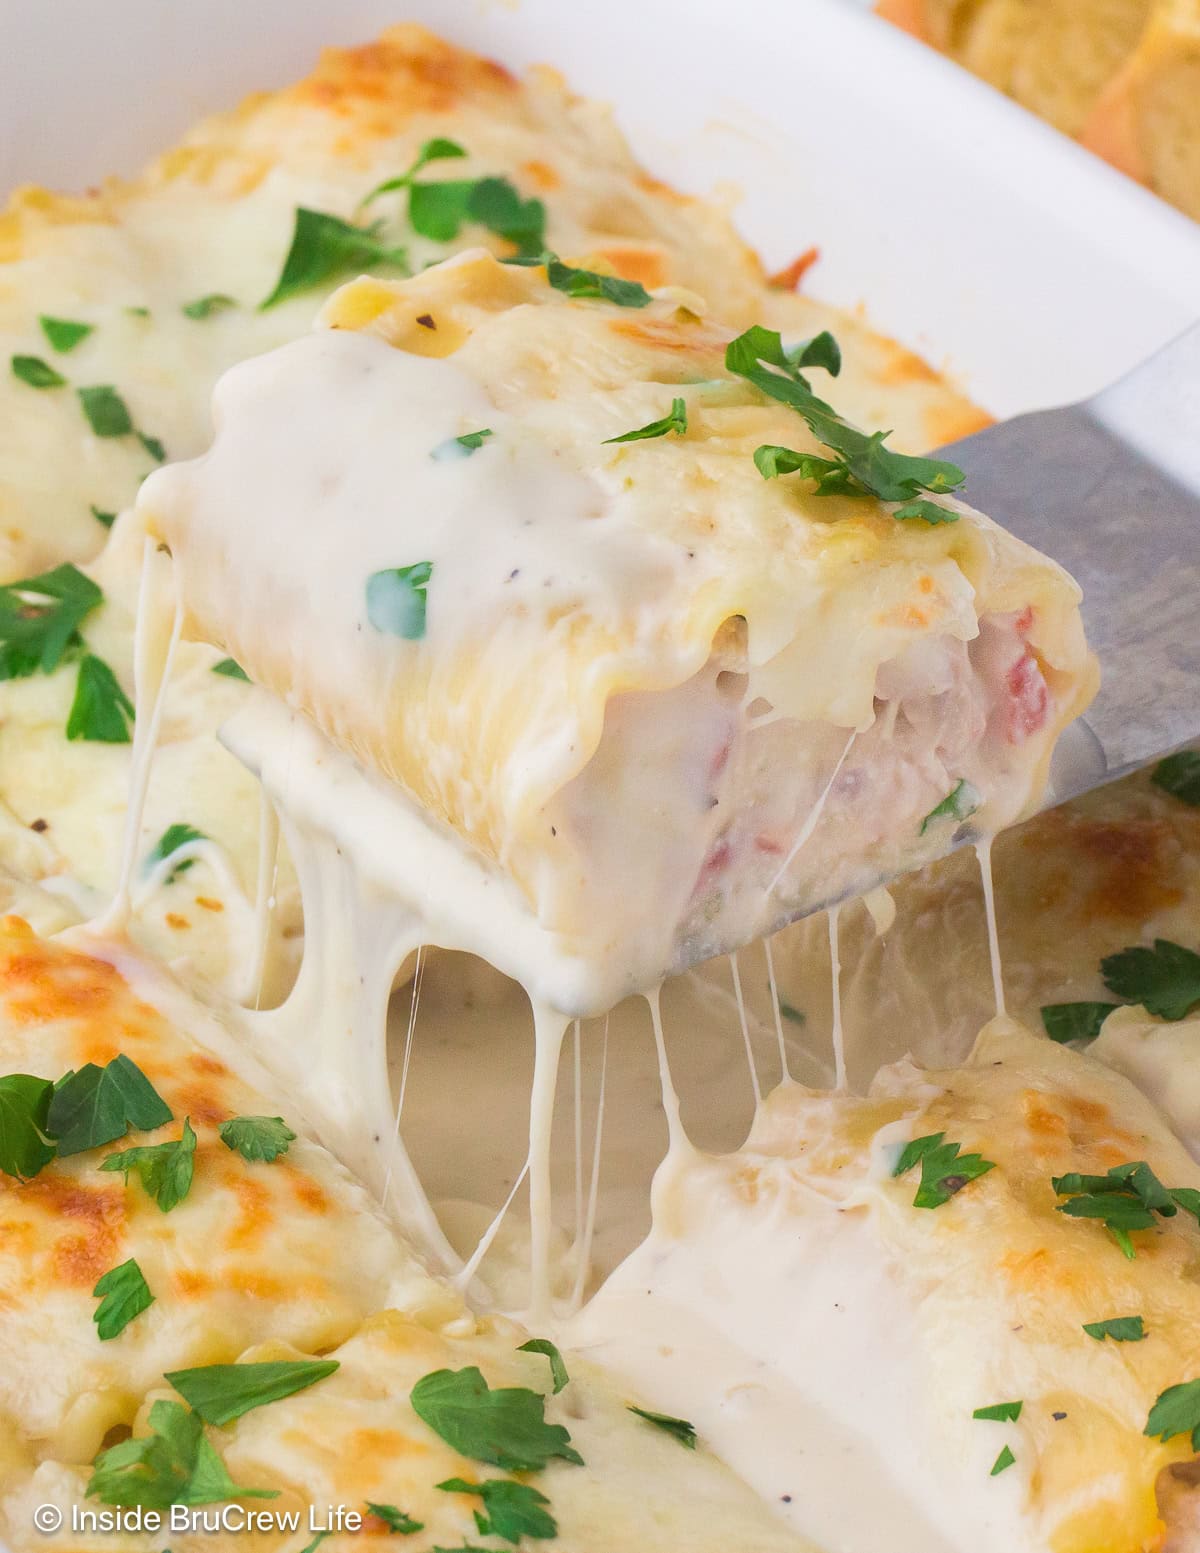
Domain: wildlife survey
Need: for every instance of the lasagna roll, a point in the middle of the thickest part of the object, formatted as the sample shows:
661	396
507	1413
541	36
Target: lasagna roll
981	1278
544	552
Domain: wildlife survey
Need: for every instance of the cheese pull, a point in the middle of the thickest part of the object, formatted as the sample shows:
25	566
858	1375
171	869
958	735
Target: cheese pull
673	697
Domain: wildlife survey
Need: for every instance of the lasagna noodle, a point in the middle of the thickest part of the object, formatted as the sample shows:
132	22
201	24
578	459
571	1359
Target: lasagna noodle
640	670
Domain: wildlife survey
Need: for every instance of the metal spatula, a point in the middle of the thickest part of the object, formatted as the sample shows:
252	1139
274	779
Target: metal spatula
1111	489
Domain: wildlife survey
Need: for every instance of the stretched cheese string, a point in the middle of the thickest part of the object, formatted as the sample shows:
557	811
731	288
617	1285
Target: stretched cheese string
583	1252
785	1075
983	853
549	1028
835	972
157	626
577	1109
741	1008
814	814
463	1279
264	898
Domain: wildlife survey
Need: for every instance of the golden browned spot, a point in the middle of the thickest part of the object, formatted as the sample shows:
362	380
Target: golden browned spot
99	1214
255	1213
173	919
309	1193
202	1062
190	1282
1136	867
541	174
926	584
699	340
790	276
948	421
201	1103
1044	1122
209	904
647	265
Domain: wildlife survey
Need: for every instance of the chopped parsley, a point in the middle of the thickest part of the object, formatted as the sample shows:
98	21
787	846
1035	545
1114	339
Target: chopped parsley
678	1428
999	1412
205	307
513	1510
1125	1199
1179	775
1177	1411
95	1105
793	1014
152	446
505	1426
173	1464
1002	1462
222	1392
394	1519
959	804
396	599
173	840
100	711
36	373
674	421
123	1294
1165	980
231	669
460	447
1122	1329
590	284
865	466
438	209
262	1138
24	1122
40	619
64	334
107	413
1075	1021
558	1370
324	247
105	518
164	1169
944	1171
771	461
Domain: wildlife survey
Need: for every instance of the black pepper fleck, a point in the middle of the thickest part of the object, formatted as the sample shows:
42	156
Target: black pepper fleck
1058	1417
426	321
40	826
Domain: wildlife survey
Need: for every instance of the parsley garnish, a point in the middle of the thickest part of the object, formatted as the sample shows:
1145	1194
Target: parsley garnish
1122	1329
959	804
867	466
396	599
324	247
460	447
1002	1462
514	1510
1125	1199
40	619
231	669
822	351
590	284
792	1014
173	1464
309	1547
675	421
395	1519
152	446
999	1412
107	413
679	1428
172	840
205	307
35	372
97	1105
944	1171
64	334
437	210
123	1294
1075	1021
505	1427
1177	1411
1165	980
558	1370
222	1392
24	1121
1179	775
100	711
832	478
164	1169
106	518
257	1137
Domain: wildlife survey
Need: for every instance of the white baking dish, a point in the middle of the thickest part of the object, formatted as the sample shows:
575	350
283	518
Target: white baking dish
967	228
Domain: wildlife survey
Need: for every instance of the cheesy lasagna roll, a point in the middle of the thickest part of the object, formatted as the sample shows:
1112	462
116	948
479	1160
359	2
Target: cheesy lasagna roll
621	601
